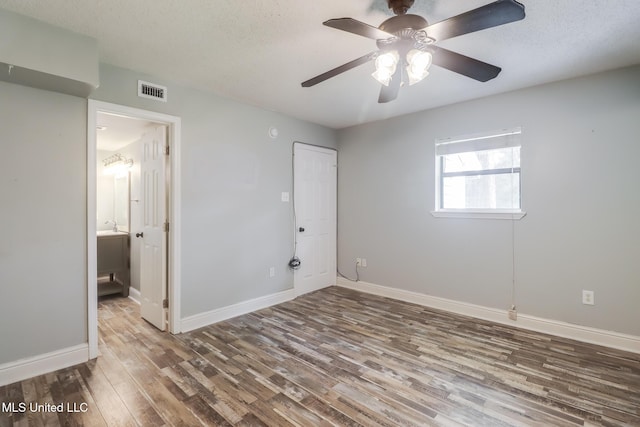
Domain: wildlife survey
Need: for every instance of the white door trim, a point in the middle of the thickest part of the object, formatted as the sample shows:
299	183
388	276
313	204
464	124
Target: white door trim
174	136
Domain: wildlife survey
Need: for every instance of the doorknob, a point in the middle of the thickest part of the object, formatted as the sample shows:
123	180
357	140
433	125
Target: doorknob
301	229
140	234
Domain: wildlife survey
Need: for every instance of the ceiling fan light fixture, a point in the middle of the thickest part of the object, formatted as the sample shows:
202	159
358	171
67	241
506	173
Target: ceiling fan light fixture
383	76
387	60
410	40
416	77
385	67
418	65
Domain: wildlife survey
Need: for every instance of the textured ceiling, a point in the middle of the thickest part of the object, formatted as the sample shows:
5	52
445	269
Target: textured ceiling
258	52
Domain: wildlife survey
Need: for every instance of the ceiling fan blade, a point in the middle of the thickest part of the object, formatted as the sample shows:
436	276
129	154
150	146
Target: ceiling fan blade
464	65
389	93
488	16
351	25
341	69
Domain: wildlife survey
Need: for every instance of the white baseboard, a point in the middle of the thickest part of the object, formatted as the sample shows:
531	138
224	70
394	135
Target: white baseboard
42	364
204	319
134	295
553	327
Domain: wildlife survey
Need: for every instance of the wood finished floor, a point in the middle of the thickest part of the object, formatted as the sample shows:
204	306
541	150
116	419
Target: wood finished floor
335	357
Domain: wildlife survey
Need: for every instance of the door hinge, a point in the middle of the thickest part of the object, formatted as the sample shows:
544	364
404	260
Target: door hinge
166	226
165	303
166	150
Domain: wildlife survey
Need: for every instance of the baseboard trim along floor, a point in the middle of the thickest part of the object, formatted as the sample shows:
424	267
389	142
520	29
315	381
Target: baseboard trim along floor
214	316
134	295
59	359
44	363
553	327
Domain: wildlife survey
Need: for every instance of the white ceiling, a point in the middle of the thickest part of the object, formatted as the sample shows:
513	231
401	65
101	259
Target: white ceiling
258	52
115	132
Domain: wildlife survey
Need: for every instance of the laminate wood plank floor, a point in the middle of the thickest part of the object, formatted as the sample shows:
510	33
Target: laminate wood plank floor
334	357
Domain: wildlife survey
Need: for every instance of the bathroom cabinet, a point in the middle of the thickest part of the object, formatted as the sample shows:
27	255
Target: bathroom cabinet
113	263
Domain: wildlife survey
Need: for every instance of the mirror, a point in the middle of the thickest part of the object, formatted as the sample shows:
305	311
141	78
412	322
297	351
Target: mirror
121	201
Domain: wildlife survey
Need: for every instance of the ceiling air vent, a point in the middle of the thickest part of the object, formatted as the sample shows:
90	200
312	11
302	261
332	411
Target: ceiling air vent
152	91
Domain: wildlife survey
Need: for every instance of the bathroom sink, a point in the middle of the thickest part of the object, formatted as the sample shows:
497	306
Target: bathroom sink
111	233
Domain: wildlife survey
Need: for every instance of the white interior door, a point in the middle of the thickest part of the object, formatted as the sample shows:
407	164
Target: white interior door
153	256
315	198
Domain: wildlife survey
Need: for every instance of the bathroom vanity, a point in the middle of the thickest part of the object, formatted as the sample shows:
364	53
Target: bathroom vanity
113	263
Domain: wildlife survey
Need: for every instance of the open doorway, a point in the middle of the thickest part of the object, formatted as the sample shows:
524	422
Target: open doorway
139	205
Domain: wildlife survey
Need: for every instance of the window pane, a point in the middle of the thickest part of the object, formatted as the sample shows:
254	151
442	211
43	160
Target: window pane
500	191
482	160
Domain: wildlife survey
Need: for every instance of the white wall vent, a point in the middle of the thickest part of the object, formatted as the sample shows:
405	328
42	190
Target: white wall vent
152	91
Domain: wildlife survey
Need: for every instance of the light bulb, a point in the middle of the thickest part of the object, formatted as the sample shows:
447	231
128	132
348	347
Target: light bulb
387	60
419	63
383	75
419	58
385	67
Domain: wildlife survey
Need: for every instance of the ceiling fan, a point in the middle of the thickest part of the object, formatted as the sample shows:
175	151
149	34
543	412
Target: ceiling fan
407	44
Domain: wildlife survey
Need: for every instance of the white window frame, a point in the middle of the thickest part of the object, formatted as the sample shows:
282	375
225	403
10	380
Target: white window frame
468	143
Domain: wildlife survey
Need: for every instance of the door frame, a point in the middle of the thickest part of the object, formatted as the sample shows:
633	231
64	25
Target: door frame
173	124
325	150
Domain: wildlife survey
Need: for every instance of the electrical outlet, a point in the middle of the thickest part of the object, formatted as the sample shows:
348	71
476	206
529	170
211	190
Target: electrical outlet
358	262
588	297
272	272
363	262
513	313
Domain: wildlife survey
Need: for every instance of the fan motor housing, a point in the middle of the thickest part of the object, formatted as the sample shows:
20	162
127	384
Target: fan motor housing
400	7
397	24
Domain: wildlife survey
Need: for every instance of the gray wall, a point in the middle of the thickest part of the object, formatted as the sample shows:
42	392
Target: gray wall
234	226
580	176
43	215
46	56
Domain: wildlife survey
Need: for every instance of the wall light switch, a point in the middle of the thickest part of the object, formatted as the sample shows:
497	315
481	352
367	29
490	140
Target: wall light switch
272	272
285	196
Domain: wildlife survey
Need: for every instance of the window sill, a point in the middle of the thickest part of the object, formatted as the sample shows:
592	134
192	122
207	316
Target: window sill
479	214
